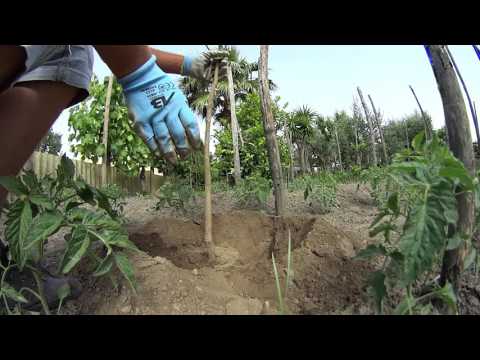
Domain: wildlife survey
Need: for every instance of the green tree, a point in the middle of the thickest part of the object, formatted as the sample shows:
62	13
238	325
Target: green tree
125	149
51	143
253	153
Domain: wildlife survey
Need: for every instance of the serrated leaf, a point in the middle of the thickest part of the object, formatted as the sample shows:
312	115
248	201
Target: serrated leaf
42	200
119	239
124	265
13	185
104	267
424	234
77	246
25	222
11	293
370	251
43	226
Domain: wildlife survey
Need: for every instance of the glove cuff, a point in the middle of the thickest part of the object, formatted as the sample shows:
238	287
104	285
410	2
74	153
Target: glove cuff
137	77
186	65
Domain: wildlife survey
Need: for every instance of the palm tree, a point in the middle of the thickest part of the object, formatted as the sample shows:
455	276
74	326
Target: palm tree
300	126
243	84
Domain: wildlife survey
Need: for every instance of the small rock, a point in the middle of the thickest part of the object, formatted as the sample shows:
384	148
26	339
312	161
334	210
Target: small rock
243	306
125	309
195	272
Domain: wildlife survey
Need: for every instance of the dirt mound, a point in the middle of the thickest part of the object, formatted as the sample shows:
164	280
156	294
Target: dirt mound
174	277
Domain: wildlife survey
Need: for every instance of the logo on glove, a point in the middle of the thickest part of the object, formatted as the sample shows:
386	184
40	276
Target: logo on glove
161	101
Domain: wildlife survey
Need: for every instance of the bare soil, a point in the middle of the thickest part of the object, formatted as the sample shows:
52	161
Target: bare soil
175	277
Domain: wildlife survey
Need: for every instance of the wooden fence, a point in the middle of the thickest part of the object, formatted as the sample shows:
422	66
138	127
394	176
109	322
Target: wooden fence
46	164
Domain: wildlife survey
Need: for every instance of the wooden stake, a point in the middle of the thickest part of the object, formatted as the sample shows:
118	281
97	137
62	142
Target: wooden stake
208	175
428	129
106	120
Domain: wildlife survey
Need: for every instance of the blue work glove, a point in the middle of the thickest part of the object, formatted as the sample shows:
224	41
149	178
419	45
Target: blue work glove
160	112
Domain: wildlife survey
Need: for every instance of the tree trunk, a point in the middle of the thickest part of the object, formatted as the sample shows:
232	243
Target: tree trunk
208	175
303	162
338	146
460	142
357	150
106	120
291	152
271	139
233	115
474	116
380	130
370	125
428	126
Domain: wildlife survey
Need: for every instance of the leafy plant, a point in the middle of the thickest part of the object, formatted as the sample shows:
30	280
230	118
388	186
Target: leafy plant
175	195
435	176
321	192
252	191
45	206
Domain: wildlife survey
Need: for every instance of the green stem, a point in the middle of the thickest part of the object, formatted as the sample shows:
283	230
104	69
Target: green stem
409	296
40	290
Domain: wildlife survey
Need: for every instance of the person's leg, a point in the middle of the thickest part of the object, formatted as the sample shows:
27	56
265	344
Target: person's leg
13	64
27	111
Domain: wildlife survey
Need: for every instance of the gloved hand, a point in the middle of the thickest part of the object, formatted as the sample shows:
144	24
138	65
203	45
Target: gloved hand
199	67
160	112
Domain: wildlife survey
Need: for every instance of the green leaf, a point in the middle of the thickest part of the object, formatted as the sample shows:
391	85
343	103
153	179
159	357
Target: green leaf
419	141
25	222
11	293
370	251
77	246
392	203
459	174
424	233
13	185
119	239
378	288
43	226
63	291
71	205
455	241
43	201
104	267
404	306
447	295
124	265
30	180
384	227
84	191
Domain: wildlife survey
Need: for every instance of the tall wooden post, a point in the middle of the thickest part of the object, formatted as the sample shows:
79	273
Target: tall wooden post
428	126
208	174
234	126
370	126
460	142
380	130
271	139
106	120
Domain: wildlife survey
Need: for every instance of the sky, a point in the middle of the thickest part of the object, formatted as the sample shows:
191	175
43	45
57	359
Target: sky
325	77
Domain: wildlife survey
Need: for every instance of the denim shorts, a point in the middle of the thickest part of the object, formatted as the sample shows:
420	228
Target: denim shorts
69	64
